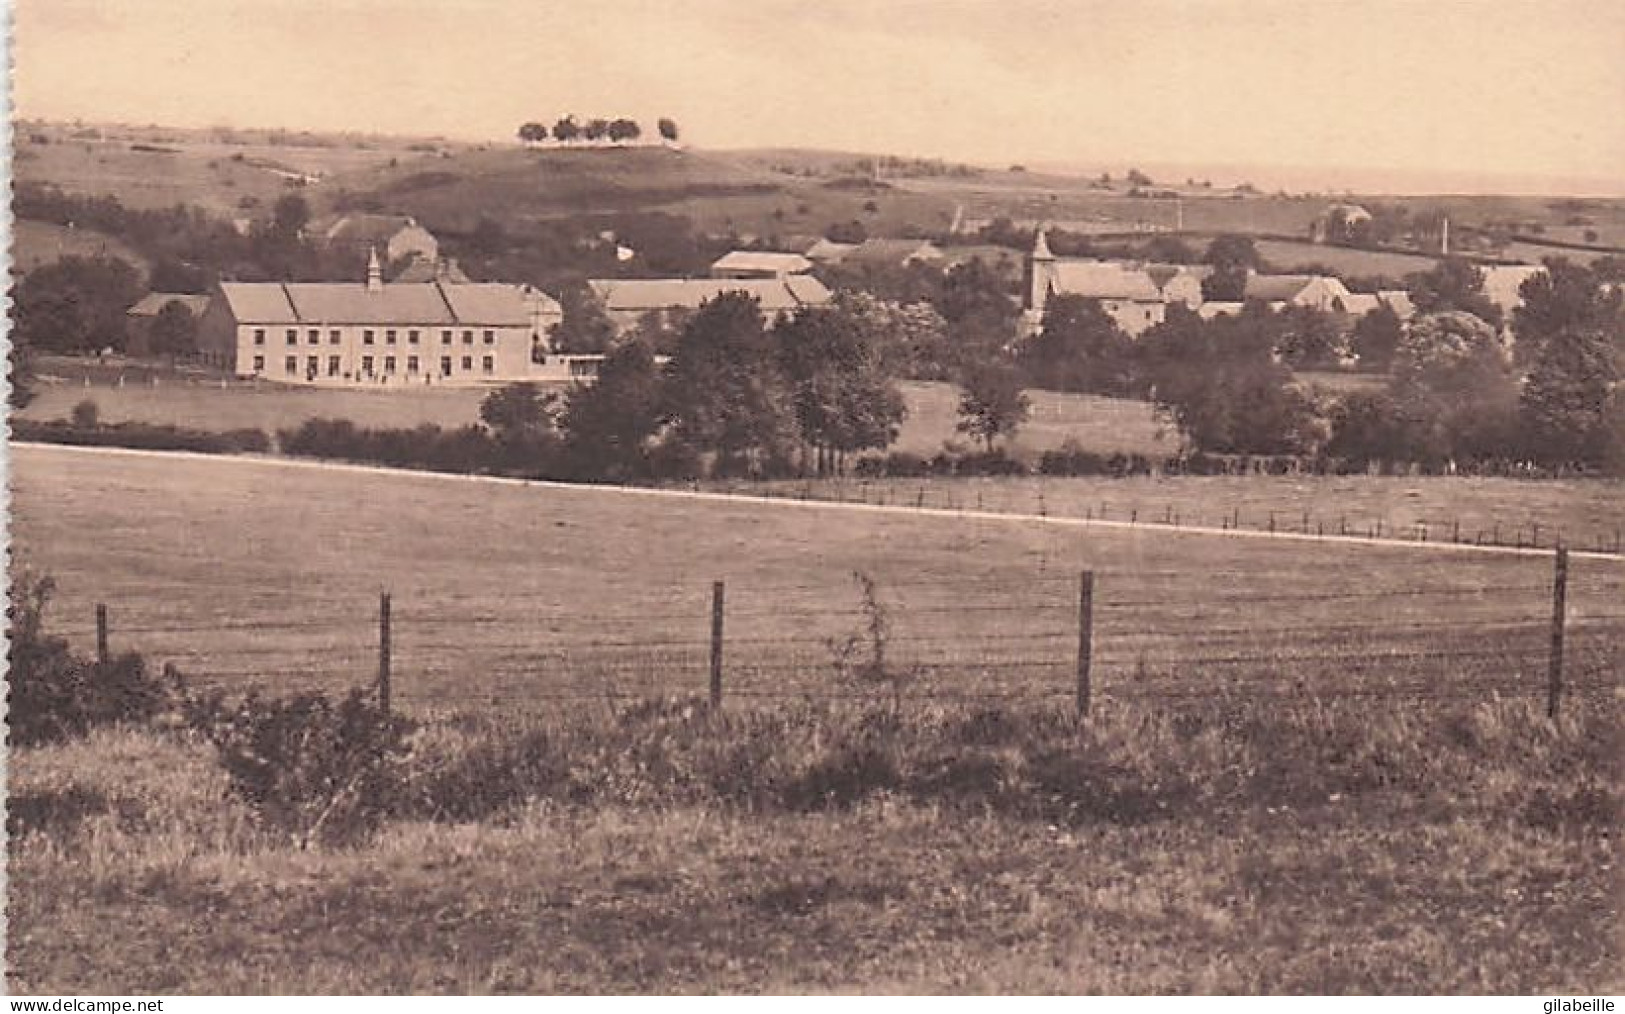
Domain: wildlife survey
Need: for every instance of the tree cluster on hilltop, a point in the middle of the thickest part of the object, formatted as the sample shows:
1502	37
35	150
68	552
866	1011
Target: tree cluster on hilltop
568	130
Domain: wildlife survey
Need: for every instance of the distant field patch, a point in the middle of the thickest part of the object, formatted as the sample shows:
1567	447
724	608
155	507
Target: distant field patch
35	244
1343	260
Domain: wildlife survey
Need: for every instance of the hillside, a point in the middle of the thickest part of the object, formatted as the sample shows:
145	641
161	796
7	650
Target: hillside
716	191
37	243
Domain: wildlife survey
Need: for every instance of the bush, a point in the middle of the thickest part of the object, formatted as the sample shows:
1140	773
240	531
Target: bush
55	694
1071	459
305	765
86	414
141	436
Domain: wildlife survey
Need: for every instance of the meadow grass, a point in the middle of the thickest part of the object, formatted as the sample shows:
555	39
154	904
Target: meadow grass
1356	849
266	573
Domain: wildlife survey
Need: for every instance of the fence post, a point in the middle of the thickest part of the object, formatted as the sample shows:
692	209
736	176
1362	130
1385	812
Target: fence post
1560	585
383	652
101	632
1086	636
716	645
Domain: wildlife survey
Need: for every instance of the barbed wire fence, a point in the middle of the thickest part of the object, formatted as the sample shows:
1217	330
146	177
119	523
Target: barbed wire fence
1049	637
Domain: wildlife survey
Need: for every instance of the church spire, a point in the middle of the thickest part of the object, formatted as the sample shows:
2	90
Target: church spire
1041	250
375	274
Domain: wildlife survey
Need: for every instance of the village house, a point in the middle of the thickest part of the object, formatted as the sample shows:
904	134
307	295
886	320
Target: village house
626	301
1129	293
759	264
139	318
1320	292
396	237
388	335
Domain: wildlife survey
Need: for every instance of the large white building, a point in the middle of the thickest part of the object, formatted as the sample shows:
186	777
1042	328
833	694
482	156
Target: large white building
375	334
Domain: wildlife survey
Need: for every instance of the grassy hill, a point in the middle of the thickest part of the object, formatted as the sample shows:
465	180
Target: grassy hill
37	243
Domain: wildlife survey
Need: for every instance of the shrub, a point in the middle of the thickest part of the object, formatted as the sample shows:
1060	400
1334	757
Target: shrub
86	414
58	695
1071	459
141	436
316	769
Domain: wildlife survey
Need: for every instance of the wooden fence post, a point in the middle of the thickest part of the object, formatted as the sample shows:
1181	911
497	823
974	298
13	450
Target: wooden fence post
1560	585
101	632
1086	637
384	689
716	645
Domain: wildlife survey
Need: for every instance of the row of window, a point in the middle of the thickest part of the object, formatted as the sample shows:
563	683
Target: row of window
369	337
313	365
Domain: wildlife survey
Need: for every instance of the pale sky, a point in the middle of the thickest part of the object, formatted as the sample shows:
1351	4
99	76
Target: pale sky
1509	88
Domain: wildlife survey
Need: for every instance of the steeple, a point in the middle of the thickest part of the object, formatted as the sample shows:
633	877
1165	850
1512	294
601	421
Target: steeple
375	273
1041	250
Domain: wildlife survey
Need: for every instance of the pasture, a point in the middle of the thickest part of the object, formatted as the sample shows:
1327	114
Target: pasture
35	244
200	402
1375	802
1282	255
507	595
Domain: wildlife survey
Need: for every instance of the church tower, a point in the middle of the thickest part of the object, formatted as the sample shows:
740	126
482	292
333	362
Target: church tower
1040	272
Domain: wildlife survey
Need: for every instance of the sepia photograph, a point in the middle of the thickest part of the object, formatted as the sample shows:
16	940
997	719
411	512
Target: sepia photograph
866	497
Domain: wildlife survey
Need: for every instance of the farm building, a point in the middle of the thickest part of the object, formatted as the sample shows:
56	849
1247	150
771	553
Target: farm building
626	301
1318	291
396	237
383	335
1131	294
759	264
892	253
139	318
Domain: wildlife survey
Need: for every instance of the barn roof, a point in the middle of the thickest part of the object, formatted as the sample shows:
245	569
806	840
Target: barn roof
492	303
153	302
1103	280
762	261
774	294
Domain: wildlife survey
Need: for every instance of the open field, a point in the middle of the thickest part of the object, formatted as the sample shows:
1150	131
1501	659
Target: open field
267	573
1473	854
181	399
34	244
1346	261
1585	514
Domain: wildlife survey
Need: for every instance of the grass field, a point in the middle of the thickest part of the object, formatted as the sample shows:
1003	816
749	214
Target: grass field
34	244
1386	808
263	573
1101	424
1284	256
1488	865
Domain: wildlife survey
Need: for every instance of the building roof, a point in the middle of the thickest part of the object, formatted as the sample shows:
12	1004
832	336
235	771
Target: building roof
1104	280
829	250
641	294
153	302
421	269
1361	303
492	303
1399	301
892	251
1273	288
366	227
1501	282
762	261
1215	308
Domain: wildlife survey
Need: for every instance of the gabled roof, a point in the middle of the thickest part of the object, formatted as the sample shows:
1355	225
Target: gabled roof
492	303
892	251
1399	301
762	261
642	294
1103	280
153	302
366	227
1273	288
1361	303
829	250
1501	282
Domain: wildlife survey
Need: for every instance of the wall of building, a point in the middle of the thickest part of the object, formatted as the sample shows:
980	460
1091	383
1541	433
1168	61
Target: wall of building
374	355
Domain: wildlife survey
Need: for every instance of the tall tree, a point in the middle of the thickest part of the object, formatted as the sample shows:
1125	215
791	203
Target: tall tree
1566	296
1565	402
74	305
1453	284
1232	258
726	392
566	129
586	328
623	129
174	331
992	403
1376	336
1081	348
668	128
610	424
846	398
1454	388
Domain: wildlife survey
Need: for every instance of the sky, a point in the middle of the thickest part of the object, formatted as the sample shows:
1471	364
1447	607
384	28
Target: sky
1509	95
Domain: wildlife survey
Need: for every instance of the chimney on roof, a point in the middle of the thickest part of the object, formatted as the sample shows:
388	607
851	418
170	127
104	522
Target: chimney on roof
375	273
